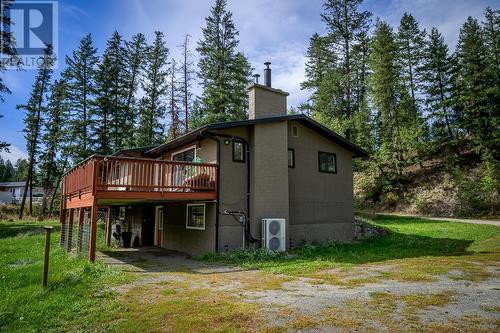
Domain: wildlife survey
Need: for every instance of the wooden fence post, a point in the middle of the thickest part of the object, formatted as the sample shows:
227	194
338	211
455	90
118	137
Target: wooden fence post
46	258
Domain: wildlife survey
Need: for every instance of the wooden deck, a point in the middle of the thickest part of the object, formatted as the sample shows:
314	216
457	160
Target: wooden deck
101	179
111	177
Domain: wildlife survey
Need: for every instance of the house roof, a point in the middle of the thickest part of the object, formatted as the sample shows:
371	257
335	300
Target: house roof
12	184
134	150
303	119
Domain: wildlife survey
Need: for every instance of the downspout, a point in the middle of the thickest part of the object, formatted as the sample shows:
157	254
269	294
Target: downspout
248	234
217	202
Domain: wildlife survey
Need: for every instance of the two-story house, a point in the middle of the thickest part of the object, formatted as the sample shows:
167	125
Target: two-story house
186	194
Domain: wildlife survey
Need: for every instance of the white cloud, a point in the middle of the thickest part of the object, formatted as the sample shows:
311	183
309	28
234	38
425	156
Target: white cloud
445	15
14	155
288	69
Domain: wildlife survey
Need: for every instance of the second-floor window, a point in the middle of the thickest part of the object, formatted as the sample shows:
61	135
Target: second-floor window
327	162
238	151
187	155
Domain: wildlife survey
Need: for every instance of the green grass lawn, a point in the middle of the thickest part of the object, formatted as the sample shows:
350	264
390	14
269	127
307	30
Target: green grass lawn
74	291
78	297
406	238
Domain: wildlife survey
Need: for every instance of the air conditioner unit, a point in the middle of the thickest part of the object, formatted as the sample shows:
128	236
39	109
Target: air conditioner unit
273	234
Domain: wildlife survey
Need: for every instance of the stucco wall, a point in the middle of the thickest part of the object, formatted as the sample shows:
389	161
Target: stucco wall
206	149
177	237
269	176
321	204
233	191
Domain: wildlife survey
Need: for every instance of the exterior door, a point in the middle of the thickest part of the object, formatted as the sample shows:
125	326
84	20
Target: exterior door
159	226
148	225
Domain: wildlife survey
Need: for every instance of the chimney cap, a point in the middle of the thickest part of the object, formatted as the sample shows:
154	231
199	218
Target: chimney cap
267	63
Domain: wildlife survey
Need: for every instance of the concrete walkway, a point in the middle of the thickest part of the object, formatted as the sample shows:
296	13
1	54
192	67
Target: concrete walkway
450	219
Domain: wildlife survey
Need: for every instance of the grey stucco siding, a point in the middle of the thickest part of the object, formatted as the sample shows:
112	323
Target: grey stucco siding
177	237
321	204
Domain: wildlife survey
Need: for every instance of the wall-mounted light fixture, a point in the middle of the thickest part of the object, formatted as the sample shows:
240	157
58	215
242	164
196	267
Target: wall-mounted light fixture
227	142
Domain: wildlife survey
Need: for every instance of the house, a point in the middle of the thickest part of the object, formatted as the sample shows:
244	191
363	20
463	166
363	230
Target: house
12	193
217	187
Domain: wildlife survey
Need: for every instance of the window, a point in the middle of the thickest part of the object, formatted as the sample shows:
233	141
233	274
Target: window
238	151
291	158
186	155
295	131
327	162
195	218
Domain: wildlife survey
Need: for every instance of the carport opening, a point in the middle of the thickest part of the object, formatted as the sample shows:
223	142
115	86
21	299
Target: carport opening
133	226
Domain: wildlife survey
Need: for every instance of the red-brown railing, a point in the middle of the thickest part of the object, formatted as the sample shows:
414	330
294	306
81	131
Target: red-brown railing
111	173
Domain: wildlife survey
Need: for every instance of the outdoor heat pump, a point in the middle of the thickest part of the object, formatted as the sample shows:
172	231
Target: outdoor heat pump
273	234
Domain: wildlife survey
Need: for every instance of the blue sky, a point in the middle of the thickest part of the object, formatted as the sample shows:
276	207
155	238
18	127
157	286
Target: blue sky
270	30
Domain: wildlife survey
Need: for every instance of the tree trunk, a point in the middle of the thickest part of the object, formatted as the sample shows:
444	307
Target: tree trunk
33	148
31	195
51	206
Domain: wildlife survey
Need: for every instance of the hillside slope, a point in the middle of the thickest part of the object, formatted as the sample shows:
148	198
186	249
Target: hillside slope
434	189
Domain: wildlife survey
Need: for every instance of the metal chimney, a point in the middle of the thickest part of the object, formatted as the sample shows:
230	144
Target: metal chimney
256	77
267	74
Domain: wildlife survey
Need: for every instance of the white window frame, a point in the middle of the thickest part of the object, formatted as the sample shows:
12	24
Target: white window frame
204	216
295	127
177	152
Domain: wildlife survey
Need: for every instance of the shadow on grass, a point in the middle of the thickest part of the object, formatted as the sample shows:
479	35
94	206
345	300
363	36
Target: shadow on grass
391	246
158	260
14	229
405	238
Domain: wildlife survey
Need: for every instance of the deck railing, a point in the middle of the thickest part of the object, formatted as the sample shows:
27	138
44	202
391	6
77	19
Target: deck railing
112	173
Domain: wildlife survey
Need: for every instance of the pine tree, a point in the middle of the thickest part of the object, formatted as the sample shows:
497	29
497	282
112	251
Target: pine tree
52	140
152	107
7	171
385	90
34	109
239	81
135	51
80	80
21	168
8	50
224	73
411	41
362	118
347	26
2	169
108	114
492	39
186	80
437	84
477	95
322	79
7	53
174	129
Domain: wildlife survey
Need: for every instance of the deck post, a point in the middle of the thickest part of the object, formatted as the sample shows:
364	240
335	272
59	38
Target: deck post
93	231
69	228
108	227
81	215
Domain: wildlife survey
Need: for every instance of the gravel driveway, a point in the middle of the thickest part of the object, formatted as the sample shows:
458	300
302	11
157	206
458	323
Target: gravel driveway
450	303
